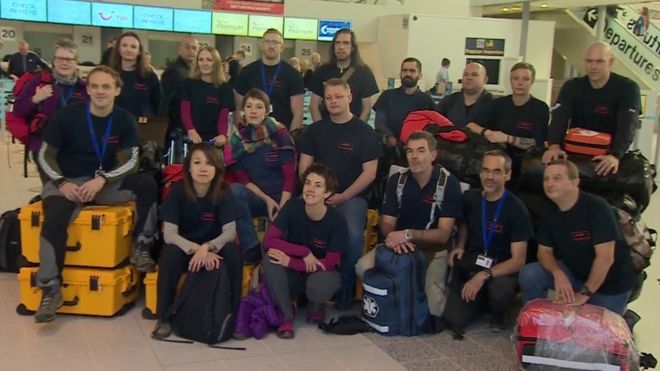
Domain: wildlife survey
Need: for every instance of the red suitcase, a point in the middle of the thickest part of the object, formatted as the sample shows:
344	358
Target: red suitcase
588	337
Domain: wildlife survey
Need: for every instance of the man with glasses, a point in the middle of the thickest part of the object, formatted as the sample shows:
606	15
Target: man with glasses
24	61
601	101
281	82
490	249
346	64
48	92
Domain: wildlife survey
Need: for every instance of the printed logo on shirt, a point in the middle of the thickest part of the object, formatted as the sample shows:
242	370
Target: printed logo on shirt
524	125
276	84
345	146
428	199
113	139
207	217
497	228
139	86
272	156
602	110
213	100
581	235
78	95
319	244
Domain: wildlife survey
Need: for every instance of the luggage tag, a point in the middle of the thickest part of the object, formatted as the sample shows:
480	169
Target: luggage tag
484	261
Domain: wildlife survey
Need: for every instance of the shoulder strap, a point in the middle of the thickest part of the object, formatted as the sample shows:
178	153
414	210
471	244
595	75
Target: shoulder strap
439	194
347	75
401	182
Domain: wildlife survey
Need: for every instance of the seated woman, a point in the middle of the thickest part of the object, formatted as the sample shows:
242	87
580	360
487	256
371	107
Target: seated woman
262	156
206	99
518	120
199	229
303	245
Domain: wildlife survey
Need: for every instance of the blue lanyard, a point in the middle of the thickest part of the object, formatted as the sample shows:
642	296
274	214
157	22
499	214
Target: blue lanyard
268	88
64	98
487	233
100	152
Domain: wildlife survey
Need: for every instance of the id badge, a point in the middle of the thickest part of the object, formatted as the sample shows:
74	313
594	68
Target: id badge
484	261
270	109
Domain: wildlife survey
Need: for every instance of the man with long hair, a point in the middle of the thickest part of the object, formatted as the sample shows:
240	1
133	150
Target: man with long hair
346	64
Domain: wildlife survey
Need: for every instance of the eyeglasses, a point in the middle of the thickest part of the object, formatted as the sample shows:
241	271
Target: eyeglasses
64	59
271	42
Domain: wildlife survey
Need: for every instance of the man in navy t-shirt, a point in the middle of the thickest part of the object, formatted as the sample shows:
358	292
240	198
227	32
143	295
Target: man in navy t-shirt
350	147
89	153
414	216
490	249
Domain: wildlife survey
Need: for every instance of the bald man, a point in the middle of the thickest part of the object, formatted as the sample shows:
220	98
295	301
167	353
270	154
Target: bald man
463	106
172	81
25	61
600	101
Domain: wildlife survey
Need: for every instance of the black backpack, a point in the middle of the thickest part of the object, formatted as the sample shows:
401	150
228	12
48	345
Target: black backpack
202	311
10	241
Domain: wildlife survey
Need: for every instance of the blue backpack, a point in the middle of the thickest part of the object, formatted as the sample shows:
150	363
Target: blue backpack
394	301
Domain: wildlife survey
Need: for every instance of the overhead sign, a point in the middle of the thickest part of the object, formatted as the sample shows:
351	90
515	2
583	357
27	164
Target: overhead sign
328	28
248	6
152	18
193	21
24	10
230	24
259	24
112	15
483	46
301	28
70	12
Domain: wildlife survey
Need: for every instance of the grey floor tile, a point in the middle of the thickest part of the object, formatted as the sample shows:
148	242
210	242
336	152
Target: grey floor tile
483	362
435	364
409	351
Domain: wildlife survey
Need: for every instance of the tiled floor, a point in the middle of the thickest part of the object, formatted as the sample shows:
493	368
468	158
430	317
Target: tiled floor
123	343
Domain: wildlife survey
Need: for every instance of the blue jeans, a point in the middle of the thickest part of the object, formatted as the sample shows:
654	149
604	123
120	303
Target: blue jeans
536	280
252	207
355	213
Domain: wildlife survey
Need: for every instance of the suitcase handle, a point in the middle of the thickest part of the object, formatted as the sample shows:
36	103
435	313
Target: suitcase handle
76	247
71	303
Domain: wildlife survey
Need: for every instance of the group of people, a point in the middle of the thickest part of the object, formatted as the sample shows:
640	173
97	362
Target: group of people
314	243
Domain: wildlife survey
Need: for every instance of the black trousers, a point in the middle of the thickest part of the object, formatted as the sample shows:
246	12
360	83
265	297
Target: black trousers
173	263
498	294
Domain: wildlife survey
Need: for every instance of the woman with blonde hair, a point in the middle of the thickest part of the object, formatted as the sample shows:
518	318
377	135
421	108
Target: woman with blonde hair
207	99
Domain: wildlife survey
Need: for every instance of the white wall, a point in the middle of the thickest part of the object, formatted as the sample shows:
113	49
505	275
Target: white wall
433	37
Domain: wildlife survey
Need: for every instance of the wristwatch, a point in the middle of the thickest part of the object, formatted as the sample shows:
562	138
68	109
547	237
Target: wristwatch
407	234
585	291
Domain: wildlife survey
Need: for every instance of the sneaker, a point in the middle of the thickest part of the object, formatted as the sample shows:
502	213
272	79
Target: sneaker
51	301
315	318
285	331
162	330
141	255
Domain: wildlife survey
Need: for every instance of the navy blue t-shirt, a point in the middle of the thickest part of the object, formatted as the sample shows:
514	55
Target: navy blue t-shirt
512	225
416	203
264	168
343	147
330	234
69	133
199	221
527	121
139	95
206	101
574	233
395	104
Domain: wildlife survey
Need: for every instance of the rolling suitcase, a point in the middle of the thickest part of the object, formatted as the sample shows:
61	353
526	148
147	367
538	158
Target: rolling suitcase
99	237
86	291
588	337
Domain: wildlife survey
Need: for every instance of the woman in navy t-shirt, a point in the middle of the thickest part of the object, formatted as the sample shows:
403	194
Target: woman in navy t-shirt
303	247
262	156
141	92
206	99
199	230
